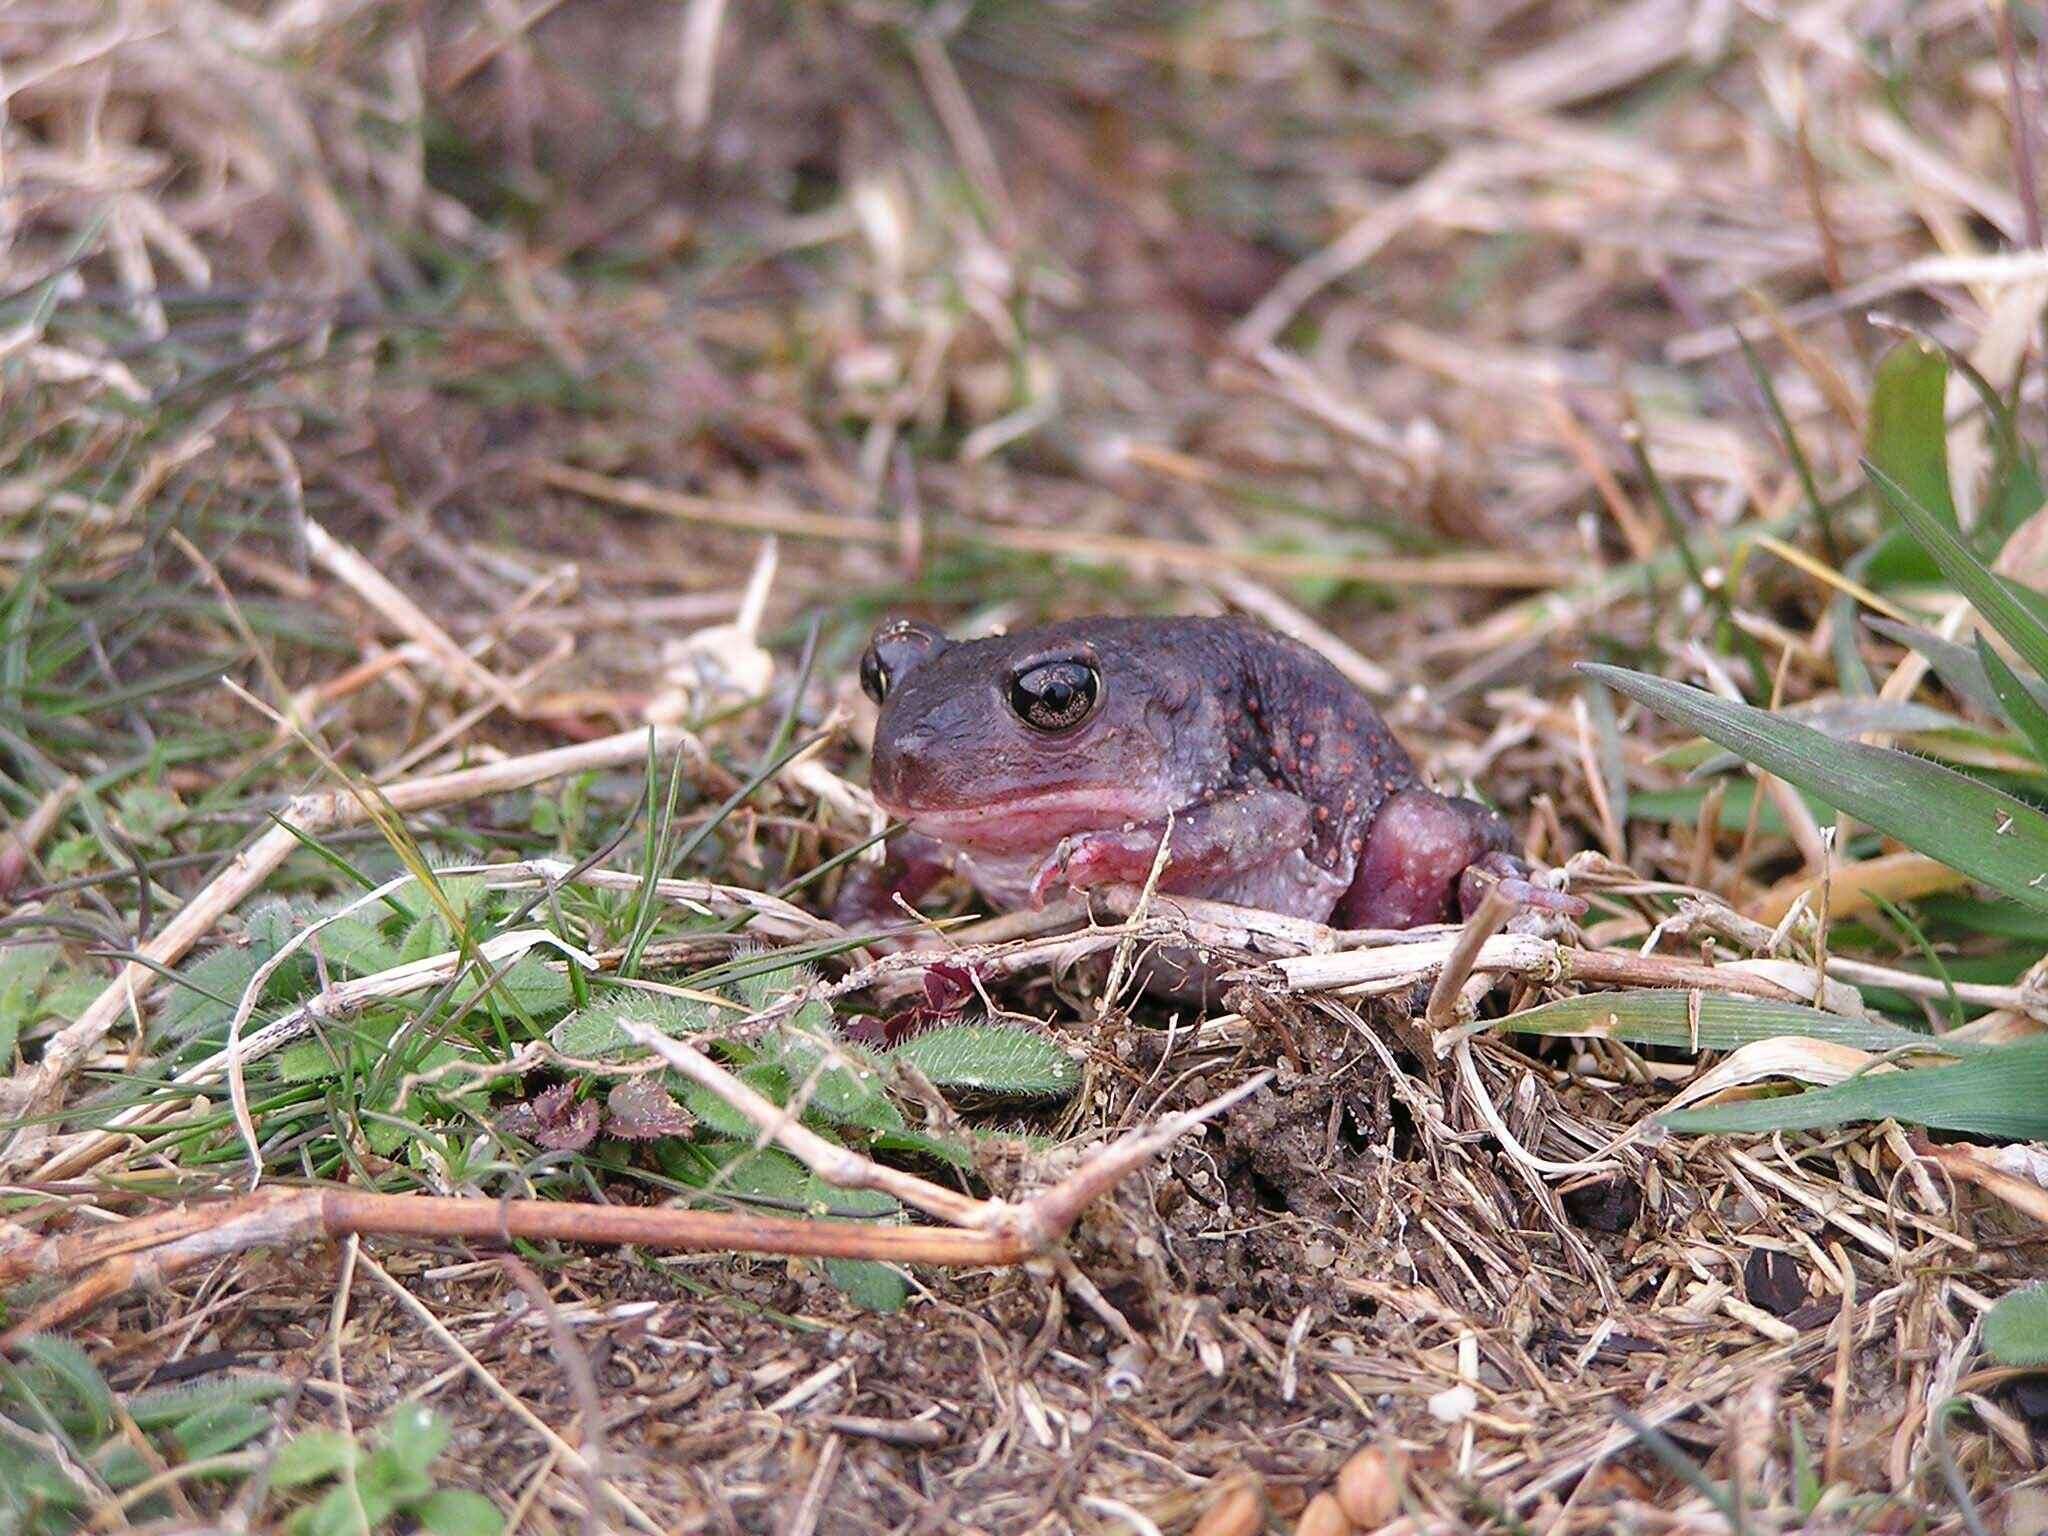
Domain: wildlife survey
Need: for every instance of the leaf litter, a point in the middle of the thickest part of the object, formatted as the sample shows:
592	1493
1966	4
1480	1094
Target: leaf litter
475	383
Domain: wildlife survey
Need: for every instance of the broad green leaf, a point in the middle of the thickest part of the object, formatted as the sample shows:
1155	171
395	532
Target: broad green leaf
1707	1021
210	989
161	1407
858	1204
1997	1092
1909	425
2016	1328
773	1176
853	1096
2020	707
381	1489
341	1047
429	934
940	1149
121	1464
988	1058
216	1431
62	1379
766	1174
1983	832
31	1484
464	894
773	976
719	1118
414	1436
536	986
871	1286
593	1033
458	1512
392	1478
311	1456
2014	617
23	970
355	946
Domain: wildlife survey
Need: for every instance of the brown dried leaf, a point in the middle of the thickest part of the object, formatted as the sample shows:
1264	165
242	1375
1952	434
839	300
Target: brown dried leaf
640	1109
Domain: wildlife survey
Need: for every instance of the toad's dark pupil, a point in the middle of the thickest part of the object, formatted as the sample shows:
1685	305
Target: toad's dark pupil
874	677
1056	695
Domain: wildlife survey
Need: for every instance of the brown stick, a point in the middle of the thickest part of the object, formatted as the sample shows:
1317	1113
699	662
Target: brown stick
154	1248
1973	1165
194	1235
406	616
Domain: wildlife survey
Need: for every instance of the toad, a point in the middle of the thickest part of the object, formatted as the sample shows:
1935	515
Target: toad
1062	757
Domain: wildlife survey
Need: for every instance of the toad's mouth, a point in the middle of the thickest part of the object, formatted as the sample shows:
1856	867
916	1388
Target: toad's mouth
1028	823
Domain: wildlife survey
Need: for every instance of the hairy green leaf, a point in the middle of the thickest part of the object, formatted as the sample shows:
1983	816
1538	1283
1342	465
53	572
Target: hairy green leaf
160	1407
458	1512
869	1285
311	1456
57	1376
988	1058
2016	1328
594	1033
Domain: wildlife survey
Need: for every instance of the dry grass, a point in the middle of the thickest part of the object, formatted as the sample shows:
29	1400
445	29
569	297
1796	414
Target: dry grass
434	373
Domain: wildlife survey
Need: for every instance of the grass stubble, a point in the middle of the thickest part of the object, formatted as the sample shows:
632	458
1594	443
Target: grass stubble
452	457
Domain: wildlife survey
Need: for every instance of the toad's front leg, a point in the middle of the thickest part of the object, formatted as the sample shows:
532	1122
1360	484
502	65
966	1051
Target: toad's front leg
1204	844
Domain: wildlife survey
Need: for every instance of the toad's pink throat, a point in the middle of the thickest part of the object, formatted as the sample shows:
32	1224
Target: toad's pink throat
1031	822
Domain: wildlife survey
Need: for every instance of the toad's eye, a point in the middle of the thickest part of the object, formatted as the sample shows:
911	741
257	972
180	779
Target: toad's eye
1055	695
874	676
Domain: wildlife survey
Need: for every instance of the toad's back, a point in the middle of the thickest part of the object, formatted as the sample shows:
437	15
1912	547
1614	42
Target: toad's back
1066	754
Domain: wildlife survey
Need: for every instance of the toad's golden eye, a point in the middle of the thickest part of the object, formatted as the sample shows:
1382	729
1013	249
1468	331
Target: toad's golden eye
1055	695
874	675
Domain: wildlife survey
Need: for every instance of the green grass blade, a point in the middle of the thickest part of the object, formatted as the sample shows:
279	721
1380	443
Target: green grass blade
2019	706
2002	608
1721	1021
1816	503
1969	826
1956	665
1999	1092
1909	427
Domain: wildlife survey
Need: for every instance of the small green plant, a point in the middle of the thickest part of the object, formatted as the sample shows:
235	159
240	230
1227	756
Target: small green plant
370	1489
847	1093
65	1446
2016	1328
413	1079
1981	828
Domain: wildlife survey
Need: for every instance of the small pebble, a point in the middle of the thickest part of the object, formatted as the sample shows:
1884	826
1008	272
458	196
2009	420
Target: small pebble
1240	1510
1323	1517
1771	1280
1609	1206
1369	1487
